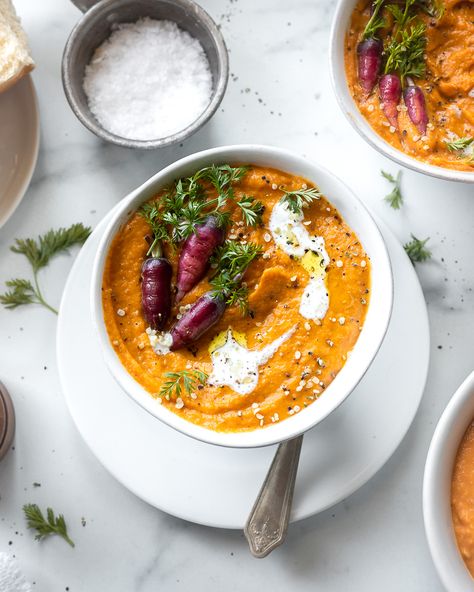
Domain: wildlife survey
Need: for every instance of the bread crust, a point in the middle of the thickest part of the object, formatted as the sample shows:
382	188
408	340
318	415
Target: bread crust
4	86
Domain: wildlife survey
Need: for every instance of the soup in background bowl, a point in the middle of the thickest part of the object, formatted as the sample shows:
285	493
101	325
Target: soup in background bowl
385	107
446	491
318	297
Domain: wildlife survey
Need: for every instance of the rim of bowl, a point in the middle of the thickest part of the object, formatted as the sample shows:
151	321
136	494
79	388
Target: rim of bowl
91	123
368	342
348	106
451	427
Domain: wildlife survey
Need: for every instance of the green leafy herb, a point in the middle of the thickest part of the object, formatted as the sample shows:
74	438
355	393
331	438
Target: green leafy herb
416	250
39	253
395	197
184	206
46	526
375	22
300	197
405	52
184	380
461	147
434	8
231	261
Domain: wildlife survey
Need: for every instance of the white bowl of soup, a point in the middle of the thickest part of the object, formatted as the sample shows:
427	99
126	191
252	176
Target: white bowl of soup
442	145
448	491
300	324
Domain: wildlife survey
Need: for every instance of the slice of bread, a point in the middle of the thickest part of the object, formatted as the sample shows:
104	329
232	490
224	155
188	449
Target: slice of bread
15	57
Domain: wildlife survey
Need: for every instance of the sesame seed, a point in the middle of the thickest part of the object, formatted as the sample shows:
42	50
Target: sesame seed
307	222
179	403
298	389
267	237
121	312
297	408
266	255
116	342
392	129
297	355
363	263
254	405
385	124
321	362
239	413
304	186
342	320
370	108
339	263
293	278
416	138
141	346
194	396
232	236
291	412
259	416
307	326
274	186
426	147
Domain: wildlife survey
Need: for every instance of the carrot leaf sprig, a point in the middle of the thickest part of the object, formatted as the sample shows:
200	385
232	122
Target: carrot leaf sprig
184	206
463	147
186	381
417	251
395	197
405	52
231	261
298	198
375	22
46	526
39	253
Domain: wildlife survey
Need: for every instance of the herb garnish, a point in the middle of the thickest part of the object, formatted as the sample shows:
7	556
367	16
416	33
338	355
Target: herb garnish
405	53
231	260
300	197
184	206
376	21
46	526
39	253
187	380
395	197
416	250
461	145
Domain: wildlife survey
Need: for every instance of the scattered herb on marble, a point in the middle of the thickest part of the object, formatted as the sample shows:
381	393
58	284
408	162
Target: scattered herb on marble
46	526
417	251
39	252
299	198
395	197
187	380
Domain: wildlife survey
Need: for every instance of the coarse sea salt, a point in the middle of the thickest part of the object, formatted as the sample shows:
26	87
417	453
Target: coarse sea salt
148	80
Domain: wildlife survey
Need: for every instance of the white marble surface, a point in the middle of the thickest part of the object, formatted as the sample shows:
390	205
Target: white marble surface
279	94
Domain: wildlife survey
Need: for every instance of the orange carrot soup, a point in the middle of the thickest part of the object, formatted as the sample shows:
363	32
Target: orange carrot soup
410	70
462	498
235	296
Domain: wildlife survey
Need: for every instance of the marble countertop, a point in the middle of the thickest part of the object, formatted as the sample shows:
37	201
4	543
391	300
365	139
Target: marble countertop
279	93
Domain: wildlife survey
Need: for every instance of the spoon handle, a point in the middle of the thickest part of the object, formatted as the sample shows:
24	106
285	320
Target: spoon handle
268	521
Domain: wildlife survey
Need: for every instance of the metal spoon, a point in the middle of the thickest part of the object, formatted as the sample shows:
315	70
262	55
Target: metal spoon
267	524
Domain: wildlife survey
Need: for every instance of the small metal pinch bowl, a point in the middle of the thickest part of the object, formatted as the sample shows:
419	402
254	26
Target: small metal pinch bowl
96	26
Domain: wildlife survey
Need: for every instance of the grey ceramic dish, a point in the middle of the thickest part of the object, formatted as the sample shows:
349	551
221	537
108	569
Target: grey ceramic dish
95	26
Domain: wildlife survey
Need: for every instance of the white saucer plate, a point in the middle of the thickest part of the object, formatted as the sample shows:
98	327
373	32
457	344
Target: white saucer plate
19	130
217	486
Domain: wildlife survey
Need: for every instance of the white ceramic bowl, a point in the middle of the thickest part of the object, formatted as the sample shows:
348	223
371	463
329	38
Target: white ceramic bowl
378	313
454	422
339	28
